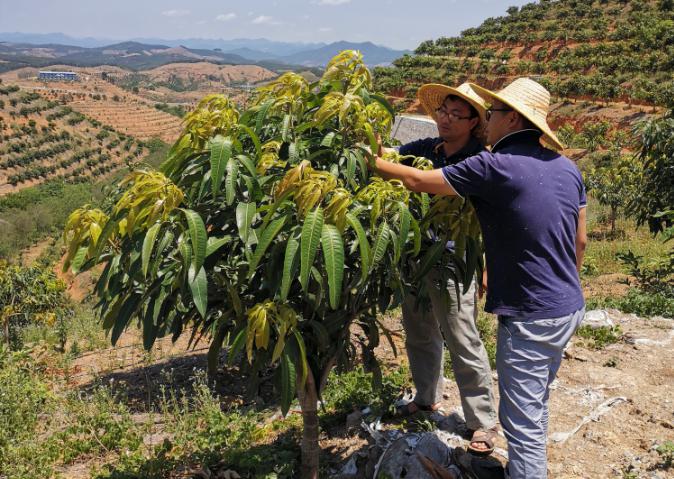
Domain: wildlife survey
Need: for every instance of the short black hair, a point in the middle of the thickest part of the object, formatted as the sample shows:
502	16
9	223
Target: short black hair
452	97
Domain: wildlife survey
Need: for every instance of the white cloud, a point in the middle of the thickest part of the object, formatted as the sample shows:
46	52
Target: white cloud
332	2
265	20
224	17
175	13
325	29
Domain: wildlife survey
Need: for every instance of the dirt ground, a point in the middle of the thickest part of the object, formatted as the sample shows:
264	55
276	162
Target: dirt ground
614	405
620	399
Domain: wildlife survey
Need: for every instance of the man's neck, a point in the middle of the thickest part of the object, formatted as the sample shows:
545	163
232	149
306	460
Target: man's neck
454	145
505	137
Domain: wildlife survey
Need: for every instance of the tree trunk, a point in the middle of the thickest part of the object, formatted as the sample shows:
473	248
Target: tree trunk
308	397
614	216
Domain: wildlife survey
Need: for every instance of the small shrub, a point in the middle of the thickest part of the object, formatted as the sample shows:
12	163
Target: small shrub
599	338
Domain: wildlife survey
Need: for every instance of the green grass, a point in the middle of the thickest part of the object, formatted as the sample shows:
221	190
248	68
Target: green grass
44	430
600	256
641	303
599	338
666	453
356	389
47	427
83	332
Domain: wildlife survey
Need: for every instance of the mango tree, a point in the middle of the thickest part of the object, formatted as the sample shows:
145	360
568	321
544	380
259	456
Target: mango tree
30	295
265	231
613	182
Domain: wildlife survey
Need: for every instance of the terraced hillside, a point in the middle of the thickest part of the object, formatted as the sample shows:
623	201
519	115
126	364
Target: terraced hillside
603	50
43	138
124	111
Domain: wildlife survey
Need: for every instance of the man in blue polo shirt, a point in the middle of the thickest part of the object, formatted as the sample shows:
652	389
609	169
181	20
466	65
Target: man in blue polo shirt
530	202
460	117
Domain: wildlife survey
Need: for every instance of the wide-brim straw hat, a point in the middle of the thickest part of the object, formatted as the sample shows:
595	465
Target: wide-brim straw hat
528	98
432	96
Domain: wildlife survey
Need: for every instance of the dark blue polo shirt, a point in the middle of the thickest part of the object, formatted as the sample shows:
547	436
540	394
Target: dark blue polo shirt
527	199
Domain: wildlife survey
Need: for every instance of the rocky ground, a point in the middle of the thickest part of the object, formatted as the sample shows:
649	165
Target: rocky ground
610	408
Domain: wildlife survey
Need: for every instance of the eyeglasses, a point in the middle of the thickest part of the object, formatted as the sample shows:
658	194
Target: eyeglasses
490	111
441	112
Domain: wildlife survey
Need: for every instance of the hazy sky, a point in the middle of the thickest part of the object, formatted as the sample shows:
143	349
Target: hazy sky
398	24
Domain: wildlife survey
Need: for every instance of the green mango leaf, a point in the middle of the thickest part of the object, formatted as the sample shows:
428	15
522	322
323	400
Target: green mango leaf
221	152
262	114
404	230
198	237
311	238
288	381
380	244
416	231
199	289
149	327
425	203
383	102
245	212
363	245
110	229
290	265
286	127
293	153
265	239
185	252
328	139
110	315
148	245
430	259
125	314
213	244
333	252
236	346
214	349
79	259
248	165
253	136
230	181
302	356
372	139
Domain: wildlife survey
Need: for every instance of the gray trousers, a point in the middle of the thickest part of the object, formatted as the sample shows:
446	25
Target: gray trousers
469	359
528	356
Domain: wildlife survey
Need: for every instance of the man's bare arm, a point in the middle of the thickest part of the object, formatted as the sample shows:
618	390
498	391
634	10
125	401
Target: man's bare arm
581	238
416	180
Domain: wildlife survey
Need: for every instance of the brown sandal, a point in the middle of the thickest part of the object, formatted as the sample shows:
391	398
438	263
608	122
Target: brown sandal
488	437
412	408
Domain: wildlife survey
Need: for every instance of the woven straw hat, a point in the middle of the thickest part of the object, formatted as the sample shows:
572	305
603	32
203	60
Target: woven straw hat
528	98
432	96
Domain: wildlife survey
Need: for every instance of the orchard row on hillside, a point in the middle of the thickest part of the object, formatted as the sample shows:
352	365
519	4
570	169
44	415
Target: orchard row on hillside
43	139
603	49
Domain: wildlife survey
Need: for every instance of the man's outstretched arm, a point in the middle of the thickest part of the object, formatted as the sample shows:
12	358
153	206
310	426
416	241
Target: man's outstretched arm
420	181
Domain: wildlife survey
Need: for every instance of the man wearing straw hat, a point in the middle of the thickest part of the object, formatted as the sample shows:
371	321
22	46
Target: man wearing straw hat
531	203
460	116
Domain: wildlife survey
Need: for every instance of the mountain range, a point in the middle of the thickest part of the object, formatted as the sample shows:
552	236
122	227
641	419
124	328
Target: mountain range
27	49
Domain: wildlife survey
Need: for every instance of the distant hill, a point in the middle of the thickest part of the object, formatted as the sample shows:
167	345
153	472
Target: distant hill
19	49
598	49
130	55
373	54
